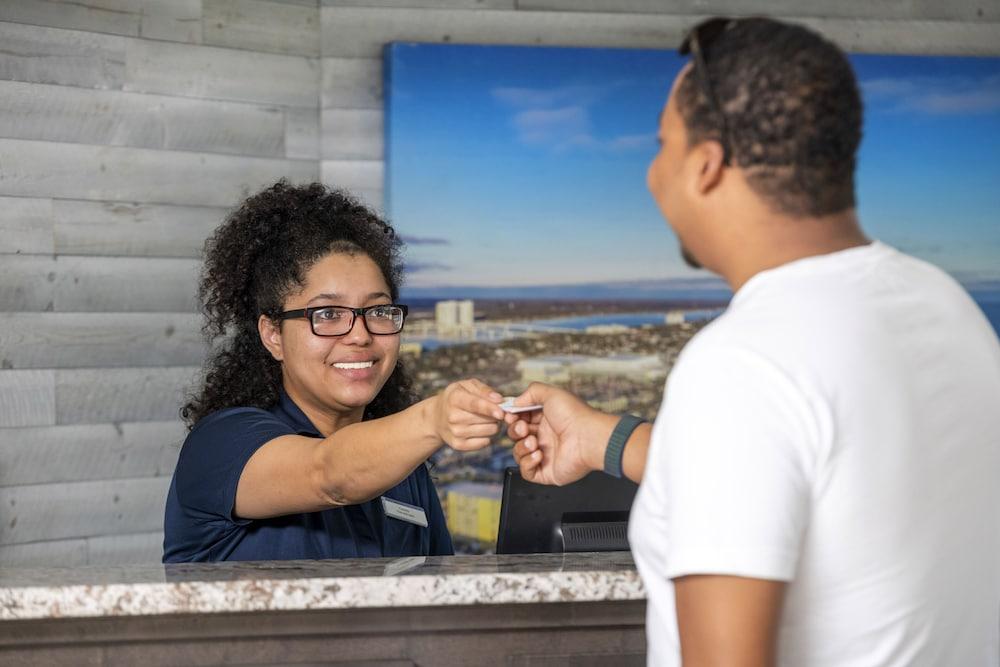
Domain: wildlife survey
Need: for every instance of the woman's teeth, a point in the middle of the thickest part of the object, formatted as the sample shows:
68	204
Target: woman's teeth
354	365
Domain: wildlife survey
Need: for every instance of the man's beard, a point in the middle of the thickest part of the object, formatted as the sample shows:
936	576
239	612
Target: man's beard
689	259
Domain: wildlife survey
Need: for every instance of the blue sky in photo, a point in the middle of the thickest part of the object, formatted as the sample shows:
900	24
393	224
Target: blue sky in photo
521	166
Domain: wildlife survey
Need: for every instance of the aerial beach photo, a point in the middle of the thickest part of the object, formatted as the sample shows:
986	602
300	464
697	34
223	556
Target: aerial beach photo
515	174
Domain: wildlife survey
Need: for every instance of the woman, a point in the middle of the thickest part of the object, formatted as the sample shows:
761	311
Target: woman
305	440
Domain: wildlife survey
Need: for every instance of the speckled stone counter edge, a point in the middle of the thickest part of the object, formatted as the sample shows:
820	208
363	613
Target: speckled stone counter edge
263	594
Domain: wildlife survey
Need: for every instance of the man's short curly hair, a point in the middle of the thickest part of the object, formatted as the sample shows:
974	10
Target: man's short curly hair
793	110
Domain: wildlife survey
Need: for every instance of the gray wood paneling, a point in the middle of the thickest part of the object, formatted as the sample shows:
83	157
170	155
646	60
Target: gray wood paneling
63	454
363	179
111	173
302	136
428	4
354	174
964	10
126	284
99	340
131	549
224	127
257	25
113	118
173	20
361	33
353	32
352	83
352	134
50	55
82	509
910	37
64	113
94	396
217	73
25	224
139	230
59	553
34	283
374	199
27	398
27	282
118	17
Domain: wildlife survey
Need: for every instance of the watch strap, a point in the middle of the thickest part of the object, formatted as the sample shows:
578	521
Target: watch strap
616	444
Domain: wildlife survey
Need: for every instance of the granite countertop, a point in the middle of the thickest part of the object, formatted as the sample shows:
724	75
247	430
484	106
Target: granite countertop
330	584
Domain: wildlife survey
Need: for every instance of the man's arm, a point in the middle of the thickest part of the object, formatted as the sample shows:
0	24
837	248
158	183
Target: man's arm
725	620
634	455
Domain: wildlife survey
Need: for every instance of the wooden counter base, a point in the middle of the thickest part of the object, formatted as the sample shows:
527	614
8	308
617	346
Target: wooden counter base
522	635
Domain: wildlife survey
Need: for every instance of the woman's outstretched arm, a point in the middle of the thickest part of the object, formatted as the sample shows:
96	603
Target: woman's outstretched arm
292	473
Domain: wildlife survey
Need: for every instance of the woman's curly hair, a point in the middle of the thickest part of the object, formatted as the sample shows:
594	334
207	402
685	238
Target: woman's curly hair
253	261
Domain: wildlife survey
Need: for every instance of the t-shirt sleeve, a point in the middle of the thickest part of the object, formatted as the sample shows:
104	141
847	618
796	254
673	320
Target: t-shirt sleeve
213	457
732	461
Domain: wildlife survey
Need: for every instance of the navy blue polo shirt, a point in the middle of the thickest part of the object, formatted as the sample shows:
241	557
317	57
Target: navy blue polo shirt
199	524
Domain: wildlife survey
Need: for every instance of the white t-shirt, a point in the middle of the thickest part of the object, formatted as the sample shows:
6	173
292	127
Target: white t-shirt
837	428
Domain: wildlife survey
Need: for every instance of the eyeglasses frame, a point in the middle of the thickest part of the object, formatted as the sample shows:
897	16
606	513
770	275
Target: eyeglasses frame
307	313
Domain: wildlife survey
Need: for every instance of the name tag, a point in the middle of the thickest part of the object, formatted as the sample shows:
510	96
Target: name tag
404	511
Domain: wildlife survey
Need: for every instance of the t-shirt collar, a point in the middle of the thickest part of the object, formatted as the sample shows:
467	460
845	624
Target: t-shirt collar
289	411
874	249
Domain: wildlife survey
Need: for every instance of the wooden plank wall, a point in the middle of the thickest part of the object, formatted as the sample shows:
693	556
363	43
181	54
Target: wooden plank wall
127	127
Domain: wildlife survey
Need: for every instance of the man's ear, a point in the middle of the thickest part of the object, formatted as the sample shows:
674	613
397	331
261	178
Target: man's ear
270	336
710	162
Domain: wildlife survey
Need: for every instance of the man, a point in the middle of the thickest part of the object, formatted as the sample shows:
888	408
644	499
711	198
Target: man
820	486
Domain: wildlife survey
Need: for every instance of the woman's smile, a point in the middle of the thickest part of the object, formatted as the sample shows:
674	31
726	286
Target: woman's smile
365	369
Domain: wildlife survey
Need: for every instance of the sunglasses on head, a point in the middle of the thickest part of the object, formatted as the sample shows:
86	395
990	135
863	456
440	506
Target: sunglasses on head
697	41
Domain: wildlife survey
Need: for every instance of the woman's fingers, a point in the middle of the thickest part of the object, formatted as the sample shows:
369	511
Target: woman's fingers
482	389
488	430
475	413
470	444
469	401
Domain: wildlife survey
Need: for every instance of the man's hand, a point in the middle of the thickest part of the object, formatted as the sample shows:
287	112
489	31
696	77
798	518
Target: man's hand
563	441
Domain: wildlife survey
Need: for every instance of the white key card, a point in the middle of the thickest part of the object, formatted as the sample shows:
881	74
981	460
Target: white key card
508	406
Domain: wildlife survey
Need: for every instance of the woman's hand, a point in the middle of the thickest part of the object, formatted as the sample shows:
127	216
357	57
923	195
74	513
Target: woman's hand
467	415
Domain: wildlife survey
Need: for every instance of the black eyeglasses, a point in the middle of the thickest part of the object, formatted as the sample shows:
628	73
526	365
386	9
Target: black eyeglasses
698	39
381	320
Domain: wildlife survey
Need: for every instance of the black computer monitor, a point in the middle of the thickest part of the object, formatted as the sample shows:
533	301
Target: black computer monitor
588	515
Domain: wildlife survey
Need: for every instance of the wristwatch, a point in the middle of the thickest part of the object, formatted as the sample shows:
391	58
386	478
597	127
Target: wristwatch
616	444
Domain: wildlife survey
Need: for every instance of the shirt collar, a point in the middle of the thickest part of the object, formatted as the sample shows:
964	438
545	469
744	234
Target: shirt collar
289	412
